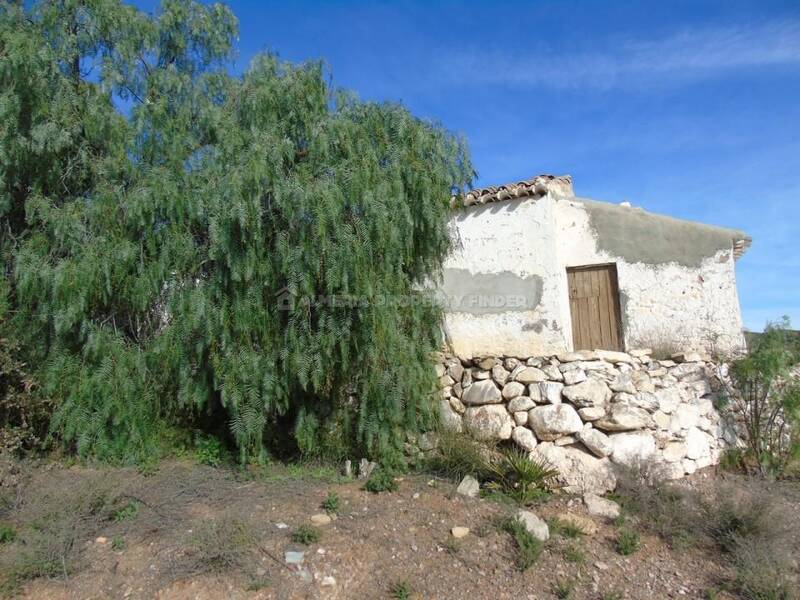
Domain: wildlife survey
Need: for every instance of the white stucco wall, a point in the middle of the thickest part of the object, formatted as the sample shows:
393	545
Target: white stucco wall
663	304
523	247
513	240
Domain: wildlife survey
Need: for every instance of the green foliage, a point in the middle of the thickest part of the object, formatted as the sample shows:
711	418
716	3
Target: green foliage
208	451
331	504
528	547
306	534
627	542
523	479
381	480
24	413
149	252
565	529
400	590
118	543
126	513
765	393
7	534
458	455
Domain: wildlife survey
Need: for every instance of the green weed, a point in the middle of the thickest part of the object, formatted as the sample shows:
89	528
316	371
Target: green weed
331	504
627	542
306	535
528	547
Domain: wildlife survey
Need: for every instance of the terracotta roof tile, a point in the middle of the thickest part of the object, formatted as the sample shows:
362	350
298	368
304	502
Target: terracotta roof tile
535	187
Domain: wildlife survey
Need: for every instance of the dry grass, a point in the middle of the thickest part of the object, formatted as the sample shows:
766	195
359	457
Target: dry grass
740	520
221	545
53	521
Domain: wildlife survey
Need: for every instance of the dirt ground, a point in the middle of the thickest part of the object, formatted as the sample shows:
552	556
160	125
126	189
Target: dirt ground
191	531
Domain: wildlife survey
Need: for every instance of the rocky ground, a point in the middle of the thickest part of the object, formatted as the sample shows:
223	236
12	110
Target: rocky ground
190	531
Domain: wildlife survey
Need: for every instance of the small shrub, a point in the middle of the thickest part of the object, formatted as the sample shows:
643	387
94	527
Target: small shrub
400	590
573	554
61	515
208	451
524	480
118	543
627	542
459	455
732	516
380	480
528	547
331	503
7	534
564	588
763	572
127	512
565	529
221	545
671	512
452	546
306	535
24	411
733	460
764	392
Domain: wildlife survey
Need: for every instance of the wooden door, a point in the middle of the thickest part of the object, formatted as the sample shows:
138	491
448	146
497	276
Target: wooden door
594	304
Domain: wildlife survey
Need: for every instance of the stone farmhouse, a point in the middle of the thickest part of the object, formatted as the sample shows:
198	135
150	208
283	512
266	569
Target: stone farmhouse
538	271
583	332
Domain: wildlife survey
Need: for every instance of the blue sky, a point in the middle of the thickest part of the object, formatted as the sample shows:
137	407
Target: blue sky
686	108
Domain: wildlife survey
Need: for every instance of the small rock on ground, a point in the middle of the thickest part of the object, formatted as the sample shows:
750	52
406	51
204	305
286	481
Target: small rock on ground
601	507
469	487
535	526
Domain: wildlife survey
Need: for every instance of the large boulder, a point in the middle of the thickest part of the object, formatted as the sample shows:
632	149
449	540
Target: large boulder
524	438
513	389
632	448
579	471
686	416
482	392
592	392
601	507
592	413
623	417
596	441
697	444
449	419
668	399
550	391
614	357
489	422
520	403
554	421
531	375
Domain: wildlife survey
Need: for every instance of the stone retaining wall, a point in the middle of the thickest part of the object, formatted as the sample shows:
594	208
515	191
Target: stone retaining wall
585	411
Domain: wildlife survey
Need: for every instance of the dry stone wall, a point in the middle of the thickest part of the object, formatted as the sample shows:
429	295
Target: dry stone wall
584	412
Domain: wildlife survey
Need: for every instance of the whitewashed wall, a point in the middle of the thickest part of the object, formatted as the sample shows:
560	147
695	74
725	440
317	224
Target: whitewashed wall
663	303
514	241
682	292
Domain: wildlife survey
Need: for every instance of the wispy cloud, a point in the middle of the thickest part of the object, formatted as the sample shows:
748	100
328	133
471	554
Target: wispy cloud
681	56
